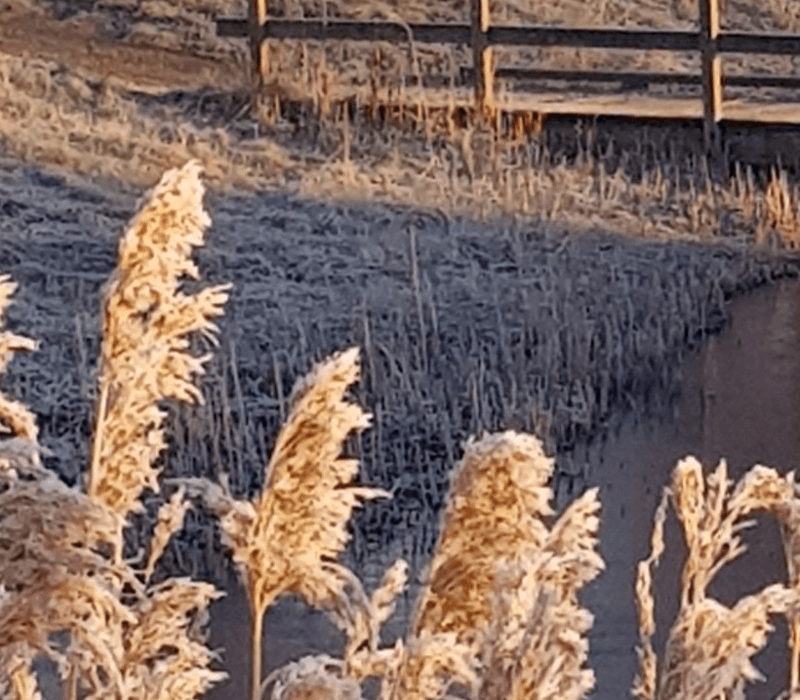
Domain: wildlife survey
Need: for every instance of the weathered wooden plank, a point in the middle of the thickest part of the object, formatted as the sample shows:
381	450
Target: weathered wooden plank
482	57
777	43
595	38
637	80
319	30
664	40
711	67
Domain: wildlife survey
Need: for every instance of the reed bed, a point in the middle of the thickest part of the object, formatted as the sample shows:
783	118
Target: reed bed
535	347
71	595
499	614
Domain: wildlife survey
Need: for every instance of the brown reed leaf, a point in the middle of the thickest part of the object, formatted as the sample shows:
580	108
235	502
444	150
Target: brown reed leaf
15	417
169	521
146	322
498	498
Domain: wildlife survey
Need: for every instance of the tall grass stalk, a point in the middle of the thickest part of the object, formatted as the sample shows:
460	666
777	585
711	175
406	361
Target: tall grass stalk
289	537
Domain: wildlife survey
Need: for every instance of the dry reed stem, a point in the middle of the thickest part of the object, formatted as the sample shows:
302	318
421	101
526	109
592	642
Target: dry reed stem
146	322
709	647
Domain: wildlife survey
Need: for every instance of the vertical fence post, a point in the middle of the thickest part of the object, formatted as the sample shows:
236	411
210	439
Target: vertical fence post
259	55
712	76
482	58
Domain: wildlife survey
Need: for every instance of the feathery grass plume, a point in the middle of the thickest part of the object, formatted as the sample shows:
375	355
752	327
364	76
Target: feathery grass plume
289	537
428	666
537	646
311	678
325	677
146	322
788	516
170	520
503	583
166	657
59	560
69	594
497	502
709	646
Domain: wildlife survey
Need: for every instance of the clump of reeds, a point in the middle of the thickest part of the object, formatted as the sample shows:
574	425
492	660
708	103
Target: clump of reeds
710	646
67	592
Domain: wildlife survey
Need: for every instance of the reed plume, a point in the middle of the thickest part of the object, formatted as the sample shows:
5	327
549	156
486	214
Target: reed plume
710	645
503	583
289	537
146	323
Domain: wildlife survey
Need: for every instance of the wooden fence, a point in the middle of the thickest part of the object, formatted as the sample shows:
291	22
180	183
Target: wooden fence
481	36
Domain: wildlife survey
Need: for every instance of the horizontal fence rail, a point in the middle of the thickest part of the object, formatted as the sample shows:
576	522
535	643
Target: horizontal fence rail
397	32
708	40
